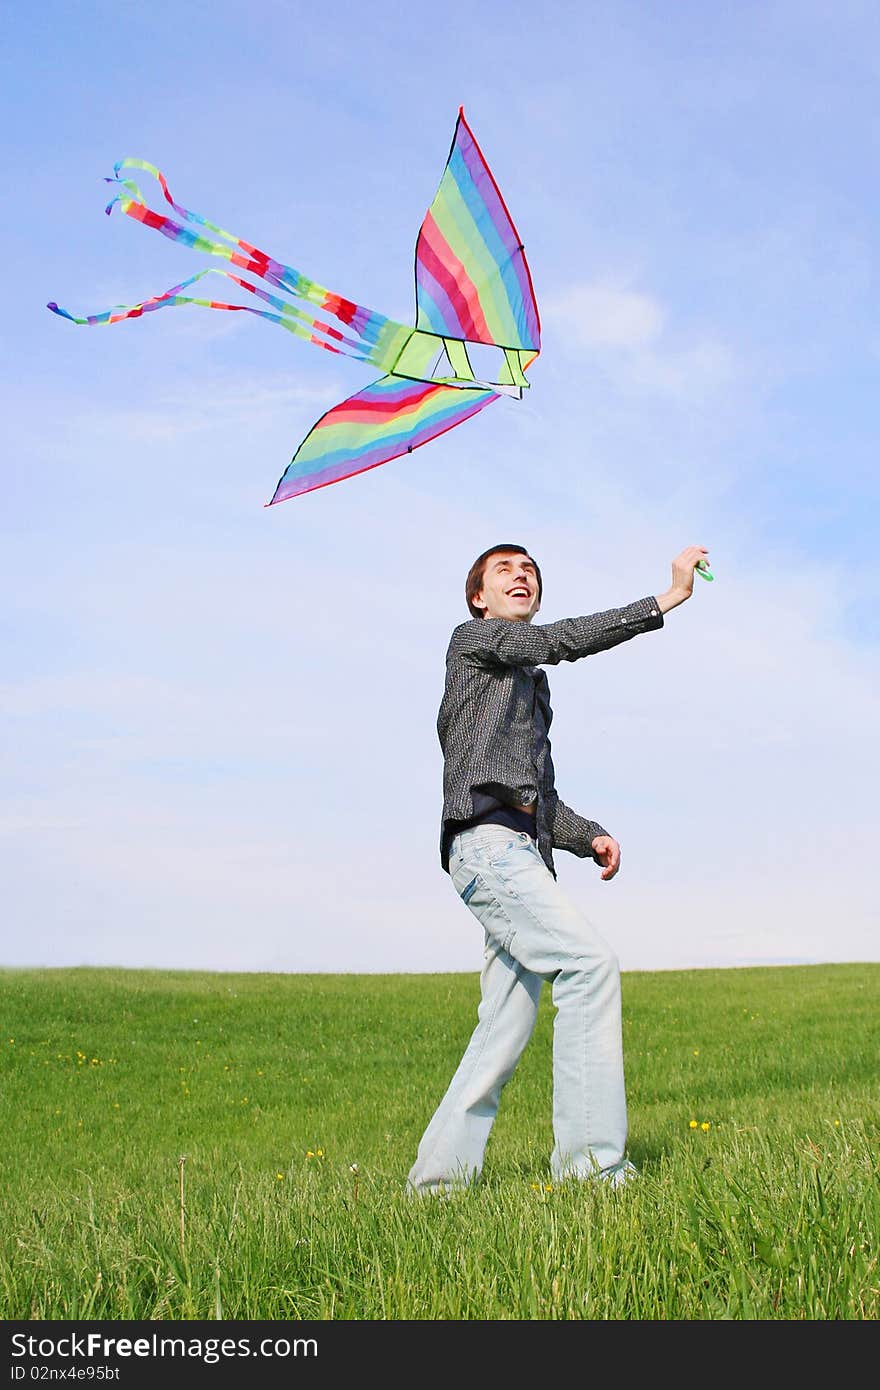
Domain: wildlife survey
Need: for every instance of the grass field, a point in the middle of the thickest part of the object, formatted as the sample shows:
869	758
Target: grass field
287	1110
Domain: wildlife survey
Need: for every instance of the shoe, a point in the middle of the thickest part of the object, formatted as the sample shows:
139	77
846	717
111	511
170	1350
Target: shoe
620	1176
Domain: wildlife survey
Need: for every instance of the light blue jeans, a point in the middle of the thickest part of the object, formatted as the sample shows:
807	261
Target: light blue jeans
532	934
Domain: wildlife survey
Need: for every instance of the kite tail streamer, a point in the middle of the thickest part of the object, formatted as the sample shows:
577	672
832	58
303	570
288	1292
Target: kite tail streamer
300	324
373	327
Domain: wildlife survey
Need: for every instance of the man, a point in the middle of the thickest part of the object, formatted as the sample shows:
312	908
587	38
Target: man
502	819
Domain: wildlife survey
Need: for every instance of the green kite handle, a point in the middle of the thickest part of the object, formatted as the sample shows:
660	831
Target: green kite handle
703	570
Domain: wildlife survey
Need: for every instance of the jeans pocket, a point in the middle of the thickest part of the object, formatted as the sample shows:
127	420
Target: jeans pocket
464	879
477	893
469	889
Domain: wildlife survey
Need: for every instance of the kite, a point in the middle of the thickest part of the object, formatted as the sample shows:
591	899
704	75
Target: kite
473	288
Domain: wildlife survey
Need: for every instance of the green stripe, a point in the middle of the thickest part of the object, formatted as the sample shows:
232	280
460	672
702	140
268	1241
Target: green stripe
512	372
348	435
417	355
457	354
456	222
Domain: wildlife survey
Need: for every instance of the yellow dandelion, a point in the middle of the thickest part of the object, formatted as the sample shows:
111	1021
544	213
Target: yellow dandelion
837	1123
319	1153
309	1153
696	1052
548	1187
692	1124
280	1177
705	1126
536	1187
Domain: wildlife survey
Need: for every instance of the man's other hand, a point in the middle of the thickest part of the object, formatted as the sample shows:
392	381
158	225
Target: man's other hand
607	852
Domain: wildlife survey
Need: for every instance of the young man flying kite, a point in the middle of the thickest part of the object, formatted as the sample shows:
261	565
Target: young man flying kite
502	820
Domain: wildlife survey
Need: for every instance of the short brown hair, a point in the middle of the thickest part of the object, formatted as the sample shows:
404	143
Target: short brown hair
477	570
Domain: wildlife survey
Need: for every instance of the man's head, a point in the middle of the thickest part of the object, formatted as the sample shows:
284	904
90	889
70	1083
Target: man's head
504	582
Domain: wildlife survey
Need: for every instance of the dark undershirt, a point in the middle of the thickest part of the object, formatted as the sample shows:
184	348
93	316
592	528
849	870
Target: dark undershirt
492	812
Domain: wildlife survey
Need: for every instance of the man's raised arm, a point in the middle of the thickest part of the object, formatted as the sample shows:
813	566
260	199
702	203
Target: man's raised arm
508	642
512	642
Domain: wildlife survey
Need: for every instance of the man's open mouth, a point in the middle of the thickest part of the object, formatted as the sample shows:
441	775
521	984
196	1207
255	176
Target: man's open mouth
519	592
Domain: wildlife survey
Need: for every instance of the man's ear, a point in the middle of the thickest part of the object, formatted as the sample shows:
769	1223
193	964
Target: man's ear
478	601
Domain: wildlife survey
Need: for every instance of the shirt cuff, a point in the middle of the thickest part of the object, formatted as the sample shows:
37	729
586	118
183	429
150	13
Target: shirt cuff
642	616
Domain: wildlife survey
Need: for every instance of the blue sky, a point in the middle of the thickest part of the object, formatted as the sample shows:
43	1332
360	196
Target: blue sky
219	720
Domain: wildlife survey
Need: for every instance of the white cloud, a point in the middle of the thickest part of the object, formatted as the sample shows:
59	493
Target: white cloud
632	338
700	368
599	314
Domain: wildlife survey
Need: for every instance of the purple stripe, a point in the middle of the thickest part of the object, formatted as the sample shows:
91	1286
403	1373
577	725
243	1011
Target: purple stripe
447	319
397	390
482	180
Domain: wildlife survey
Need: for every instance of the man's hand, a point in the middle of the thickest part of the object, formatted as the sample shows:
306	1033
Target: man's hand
607	851
682	585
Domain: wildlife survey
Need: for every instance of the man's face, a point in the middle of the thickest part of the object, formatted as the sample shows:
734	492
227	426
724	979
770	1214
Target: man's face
510	587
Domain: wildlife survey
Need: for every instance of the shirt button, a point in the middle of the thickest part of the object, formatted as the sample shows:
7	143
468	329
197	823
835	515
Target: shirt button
653	612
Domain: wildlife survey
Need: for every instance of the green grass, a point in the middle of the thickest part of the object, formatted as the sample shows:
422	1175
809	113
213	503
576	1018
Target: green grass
272	1086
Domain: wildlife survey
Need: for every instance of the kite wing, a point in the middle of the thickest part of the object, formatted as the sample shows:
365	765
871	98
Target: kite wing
473	282
391	417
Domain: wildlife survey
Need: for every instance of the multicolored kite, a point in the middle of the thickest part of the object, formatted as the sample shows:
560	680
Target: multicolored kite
473	286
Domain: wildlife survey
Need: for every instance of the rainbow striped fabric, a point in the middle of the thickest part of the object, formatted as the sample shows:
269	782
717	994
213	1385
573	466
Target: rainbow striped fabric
391	417
472	286
472	278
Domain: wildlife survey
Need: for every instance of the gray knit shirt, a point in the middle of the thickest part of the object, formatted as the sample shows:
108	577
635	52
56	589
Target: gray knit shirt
495	716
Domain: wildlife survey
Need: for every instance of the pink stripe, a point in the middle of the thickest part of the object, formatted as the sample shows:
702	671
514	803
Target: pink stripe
376	414
455	280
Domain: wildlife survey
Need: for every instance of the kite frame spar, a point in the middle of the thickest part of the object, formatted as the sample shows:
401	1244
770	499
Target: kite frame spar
473	286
